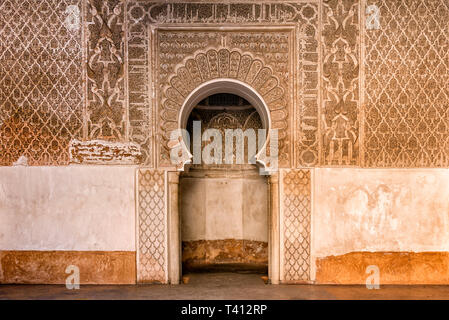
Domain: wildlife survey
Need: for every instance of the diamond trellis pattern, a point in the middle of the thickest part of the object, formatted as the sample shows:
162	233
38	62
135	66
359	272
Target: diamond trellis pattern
41	99
296	203
407	91
152	228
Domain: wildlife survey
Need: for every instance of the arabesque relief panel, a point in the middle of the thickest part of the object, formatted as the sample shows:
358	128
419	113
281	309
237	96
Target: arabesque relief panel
106	111
155	54
340	54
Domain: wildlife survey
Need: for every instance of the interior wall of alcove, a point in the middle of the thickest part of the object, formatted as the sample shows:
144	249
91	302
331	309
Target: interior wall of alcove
224	208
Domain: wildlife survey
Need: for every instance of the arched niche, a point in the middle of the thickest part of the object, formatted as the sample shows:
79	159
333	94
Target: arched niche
223	85
221	71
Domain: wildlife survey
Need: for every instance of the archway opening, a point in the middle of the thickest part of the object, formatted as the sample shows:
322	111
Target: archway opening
223	203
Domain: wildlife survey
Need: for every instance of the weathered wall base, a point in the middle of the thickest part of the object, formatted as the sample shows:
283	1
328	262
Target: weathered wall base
204	252
395	268
48	267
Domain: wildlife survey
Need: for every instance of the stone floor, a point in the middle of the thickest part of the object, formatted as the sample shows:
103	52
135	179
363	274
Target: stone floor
227	286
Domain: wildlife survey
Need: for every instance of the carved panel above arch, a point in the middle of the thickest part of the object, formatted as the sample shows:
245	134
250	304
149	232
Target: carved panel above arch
210	64
283	35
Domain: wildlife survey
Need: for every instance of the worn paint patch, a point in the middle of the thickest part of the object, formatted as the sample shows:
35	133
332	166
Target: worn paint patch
104	152
48	267
202	252
76	208
394	267
379	210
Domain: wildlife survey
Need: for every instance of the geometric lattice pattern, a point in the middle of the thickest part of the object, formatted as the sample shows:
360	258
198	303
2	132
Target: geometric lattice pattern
407	85
296	212
41	95
152	227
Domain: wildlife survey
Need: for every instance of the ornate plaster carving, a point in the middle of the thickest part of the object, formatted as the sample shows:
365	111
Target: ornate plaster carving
406	87
152	227
41	95
295	225
106	112
340	83
222	63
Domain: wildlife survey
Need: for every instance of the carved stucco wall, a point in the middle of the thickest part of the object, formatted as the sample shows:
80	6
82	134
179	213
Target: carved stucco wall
80	70
105	77
180	58
274	47
223	63
152	226
233	118
296	204
41	87
121	47
100	70
406	85
340	83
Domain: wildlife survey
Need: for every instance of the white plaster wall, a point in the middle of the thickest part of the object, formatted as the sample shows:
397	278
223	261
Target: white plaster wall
224	208
67	208
380	210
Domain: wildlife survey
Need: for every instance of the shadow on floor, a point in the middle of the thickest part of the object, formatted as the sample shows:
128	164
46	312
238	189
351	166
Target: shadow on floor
222	286
244	268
